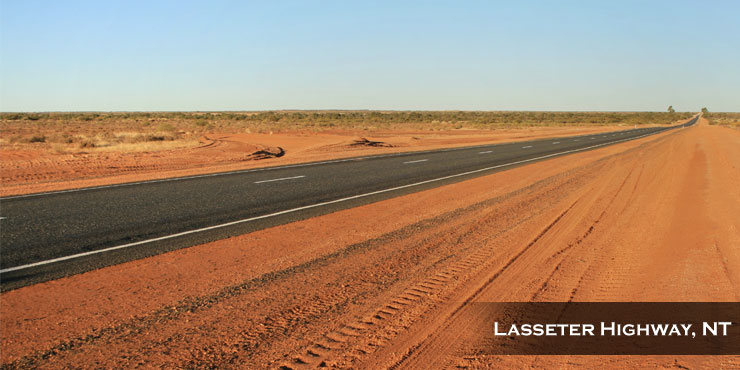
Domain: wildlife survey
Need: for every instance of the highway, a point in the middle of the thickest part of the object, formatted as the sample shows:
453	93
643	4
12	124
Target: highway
50	235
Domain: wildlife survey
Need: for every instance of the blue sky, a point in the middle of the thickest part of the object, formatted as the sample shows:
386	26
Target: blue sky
431	55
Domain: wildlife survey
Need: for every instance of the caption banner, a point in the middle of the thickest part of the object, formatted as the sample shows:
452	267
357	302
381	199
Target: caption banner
539	328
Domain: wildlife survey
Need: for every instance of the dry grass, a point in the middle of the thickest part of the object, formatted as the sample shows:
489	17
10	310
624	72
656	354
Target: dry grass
149	146
731	120
108	140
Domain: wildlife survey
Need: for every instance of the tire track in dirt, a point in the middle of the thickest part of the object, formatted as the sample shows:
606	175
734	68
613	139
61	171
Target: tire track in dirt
595	250
346	335
313	356
428	344
475	260
431	286
428	348
393	300
194	305
474	263
563	254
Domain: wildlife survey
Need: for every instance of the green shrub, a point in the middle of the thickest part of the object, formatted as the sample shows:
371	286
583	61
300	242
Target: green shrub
166	127
13	116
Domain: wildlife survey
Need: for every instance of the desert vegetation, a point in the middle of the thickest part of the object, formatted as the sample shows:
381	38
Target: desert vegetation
141	131
723	119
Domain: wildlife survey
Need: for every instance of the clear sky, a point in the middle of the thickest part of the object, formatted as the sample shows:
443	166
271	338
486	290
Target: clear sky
432	55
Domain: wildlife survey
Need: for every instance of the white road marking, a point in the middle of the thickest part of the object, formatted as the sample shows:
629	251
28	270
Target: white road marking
236	172
417	161
557	142
78	255
575	140
280	179
241	171
525	147
486	152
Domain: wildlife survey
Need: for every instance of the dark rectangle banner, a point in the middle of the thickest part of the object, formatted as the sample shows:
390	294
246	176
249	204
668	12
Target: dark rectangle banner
634	328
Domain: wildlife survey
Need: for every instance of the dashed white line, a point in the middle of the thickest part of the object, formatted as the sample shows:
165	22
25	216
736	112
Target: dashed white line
280	179
486	152
525	147
264	169
223	173
557	142
417	161
74	256
575	140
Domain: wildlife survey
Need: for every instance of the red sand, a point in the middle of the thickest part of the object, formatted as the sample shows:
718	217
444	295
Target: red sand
32	170
382	285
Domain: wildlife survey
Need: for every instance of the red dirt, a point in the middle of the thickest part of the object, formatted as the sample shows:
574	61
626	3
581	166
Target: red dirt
28	170
383	285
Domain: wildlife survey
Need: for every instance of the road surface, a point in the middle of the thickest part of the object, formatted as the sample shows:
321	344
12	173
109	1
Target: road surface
50	235
393	284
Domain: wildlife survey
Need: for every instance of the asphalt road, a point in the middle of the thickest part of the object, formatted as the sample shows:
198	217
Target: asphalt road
50	235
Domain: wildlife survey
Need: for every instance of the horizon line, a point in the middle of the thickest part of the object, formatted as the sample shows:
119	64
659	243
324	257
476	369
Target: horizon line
352	110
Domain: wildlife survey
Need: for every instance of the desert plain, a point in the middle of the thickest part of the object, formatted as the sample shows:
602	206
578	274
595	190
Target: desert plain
383	285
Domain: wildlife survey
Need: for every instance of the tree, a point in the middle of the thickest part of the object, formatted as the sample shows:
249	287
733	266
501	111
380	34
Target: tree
671	110
705	111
